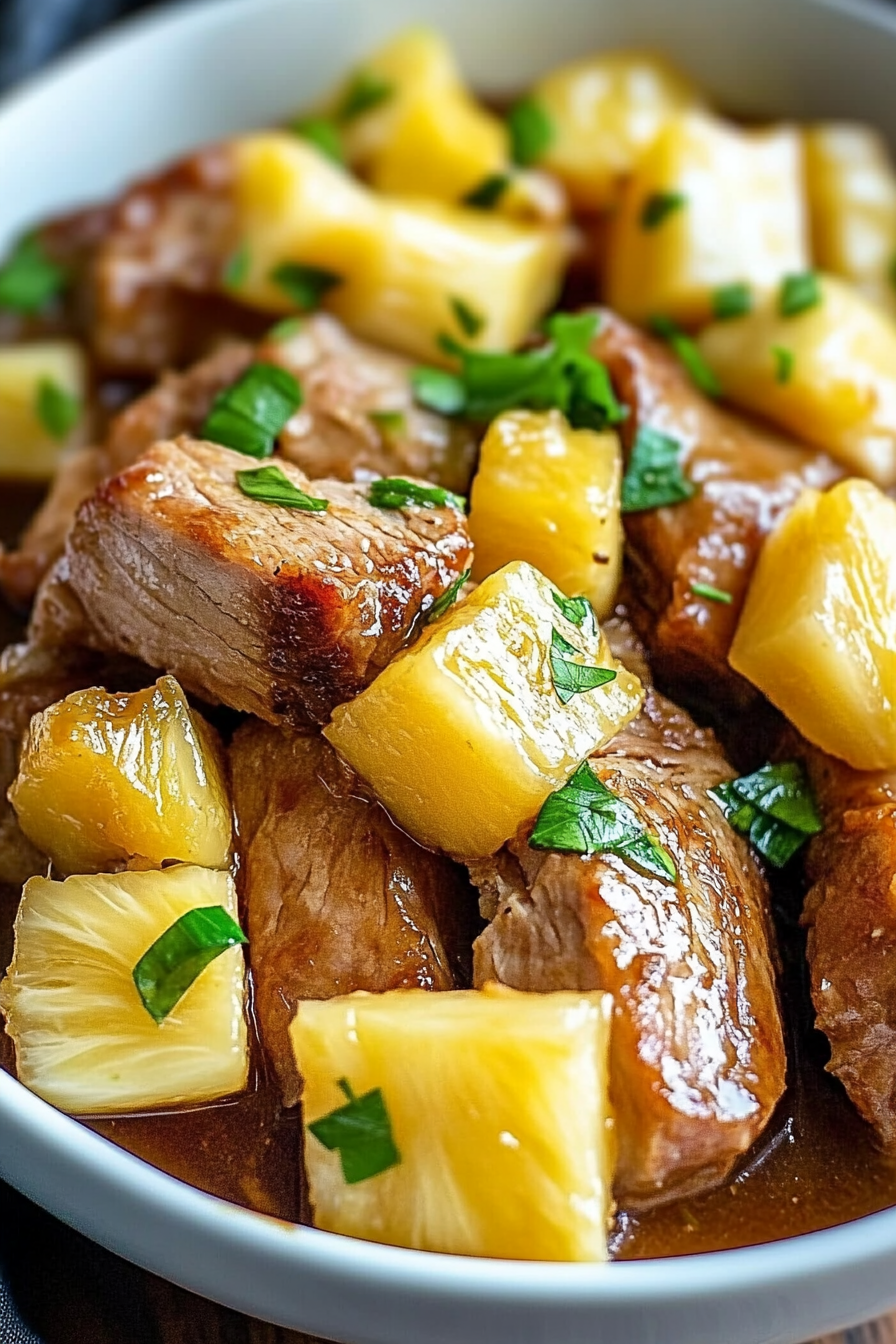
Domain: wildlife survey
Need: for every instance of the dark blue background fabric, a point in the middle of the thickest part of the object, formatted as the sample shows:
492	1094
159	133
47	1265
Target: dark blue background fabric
33	31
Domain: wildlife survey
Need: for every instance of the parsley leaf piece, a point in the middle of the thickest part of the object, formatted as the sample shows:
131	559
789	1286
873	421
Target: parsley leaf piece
569	678
577	610
688	352
654	478
248	415
487	193
168	968
393	492
469	320
364	91
774	808
323	134
712	594
305	285
271	485
735	300
784	363
389	422
361	1132
57	409
284	329
799	293
236	268
531	132
585	817
448	598
29	280
659	205
439	391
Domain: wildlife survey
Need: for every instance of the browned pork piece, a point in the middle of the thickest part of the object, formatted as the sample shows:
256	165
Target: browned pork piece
697	1054
276	611
337	897
746	478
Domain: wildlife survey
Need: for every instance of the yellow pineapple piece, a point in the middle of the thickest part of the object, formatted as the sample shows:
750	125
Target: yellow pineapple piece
851	185
107	778
496	1106
709	205
465	734
32	437
549	494
606	110
84	1040
837	386
818	631
397	263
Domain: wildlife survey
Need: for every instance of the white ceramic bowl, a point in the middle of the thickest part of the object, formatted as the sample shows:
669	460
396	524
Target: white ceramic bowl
140	96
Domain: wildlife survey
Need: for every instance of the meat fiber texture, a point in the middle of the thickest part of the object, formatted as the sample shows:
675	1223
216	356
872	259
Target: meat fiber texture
337	897
270	610
697	1058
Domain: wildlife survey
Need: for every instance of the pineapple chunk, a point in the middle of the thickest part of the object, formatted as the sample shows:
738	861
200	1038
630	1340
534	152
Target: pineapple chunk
709	205
107	778
606	110
464	734
399	263
838	390
497	1106
852	207
84	1041
549	494
818	631
29	449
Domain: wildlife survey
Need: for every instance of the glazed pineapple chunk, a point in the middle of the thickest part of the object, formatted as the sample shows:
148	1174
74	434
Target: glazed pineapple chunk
84	1040
494	1130
708	206
42	388
465	734
818	631
606	110
851	185
389	268
549	494
104	779
827	373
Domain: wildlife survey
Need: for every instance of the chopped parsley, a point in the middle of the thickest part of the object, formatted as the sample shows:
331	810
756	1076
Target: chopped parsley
364	91
168	968
784	363
531	132
57	409
285	328
448	598
799	293
577	610
688	352
271	485
735	300
654	478
393	492
323	134
570	678
361	1132
712	594
585	817
306	286
29	280
774	807
468	318
236	268
439	391
248	415
659	205
487	193
389	423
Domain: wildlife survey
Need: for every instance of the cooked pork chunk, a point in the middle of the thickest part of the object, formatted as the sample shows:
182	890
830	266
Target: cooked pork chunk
279	612
747	477
337	897
697	1053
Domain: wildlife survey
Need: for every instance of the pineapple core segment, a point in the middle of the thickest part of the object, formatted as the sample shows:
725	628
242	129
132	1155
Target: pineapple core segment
84	1041
107	778
465	734
499	1138
818	631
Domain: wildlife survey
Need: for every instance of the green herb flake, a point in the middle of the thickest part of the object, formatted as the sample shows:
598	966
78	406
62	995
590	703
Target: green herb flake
531	132
168	968
448	598
439	391
654	478
286	328
323	134
271	485
364	91
393	492
236	268
799	293
577	610
29	280
774	807
785	361
659	205
248	415
392	424
570	678
688	352
306	286
469	320
486	194
361	1132
585	817
57	409
735	300
712	594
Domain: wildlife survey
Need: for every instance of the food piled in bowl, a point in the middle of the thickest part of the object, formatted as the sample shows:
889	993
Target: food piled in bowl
449	765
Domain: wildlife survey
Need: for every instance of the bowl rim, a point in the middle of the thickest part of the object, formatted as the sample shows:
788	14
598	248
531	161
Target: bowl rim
27	1120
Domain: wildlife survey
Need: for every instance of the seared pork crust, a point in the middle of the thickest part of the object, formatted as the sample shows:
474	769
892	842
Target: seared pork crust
337	898
278	612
